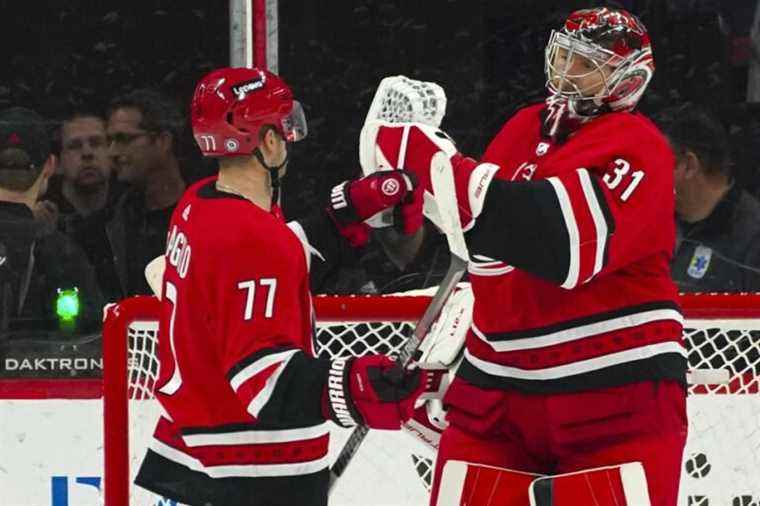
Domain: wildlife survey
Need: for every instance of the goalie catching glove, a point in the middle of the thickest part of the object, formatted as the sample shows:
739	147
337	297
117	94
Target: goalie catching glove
411	146
373	391
353	202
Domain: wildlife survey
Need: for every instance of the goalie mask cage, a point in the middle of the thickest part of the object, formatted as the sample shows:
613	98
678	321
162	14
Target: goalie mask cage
721	462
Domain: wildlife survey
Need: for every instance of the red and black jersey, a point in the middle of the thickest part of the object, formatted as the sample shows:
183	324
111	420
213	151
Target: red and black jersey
239	383
570	259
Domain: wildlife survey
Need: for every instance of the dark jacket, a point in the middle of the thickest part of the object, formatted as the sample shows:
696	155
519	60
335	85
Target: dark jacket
134	237
35	266
722	252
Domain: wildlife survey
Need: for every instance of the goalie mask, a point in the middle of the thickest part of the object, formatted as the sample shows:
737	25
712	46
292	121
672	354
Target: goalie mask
599	61
231	105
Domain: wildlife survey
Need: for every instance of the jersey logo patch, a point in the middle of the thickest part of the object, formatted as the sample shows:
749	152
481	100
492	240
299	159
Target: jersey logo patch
542	148
700	262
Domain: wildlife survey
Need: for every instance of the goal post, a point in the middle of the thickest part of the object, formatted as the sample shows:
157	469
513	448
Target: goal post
721	461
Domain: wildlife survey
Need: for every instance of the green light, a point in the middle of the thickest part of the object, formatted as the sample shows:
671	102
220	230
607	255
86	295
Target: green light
67	304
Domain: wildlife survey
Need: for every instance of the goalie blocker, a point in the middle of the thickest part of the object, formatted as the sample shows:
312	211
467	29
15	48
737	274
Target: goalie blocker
466	483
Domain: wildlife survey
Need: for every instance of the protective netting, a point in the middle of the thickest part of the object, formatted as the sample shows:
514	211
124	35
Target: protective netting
722	457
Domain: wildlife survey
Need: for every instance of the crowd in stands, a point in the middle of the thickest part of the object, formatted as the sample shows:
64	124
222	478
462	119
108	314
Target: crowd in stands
86	193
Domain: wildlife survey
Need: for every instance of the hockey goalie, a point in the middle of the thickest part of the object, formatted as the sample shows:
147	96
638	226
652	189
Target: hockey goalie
571	389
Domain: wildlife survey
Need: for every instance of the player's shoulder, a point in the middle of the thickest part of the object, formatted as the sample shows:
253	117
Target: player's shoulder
223	218
632	129
528	114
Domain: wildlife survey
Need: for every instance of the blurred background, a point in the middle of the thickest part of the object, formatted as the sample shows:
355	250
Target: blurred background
78	64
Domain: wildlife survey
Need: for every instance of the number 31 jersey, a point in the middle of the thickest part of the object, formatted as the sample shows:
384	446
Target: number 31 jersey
570	259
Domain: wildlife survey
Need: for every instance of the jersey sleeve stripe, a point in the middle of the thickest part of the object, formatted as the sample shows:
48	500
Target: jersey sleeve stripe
259	365
600	223
572	231
260	400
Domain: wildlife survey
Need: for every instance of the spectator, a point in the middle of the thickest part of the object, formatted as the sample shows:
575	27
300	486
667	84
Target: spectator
718	244
83	185
83	189
143	131
37	262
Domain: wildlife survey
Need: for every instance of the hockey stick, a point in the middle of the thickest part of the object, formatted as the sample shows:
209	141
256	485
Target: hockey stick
443	211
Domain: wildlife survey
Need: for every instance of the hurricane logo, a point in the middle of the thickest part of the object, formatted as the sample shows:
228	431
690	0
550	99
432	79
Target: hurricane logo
390	187
231	145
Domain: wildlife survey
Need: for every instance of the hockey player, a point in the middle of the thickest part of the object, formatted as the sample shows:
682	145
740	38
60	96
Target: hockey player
574	360
245	401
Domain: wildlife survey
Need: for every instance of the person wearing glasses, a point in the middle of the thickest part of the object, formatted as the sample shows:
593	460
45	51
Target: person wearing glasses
143	131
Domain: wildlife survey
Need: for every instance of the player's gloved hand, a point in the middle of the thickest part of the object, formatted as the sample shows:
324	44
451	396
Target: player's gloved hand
411	146
373	391
353	202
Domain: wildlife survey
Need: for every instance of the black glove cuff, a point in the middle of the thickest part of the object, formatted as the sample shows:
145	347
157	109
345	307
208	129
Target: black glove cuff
341	208
342	408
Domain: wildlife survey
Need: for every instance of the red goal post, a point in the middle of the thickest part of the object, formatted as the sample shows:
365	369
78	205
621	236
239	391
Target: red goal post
722	333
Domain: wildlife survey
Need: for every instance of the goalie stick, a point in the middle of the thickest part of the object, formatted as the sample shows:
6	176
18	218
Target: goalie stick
442	209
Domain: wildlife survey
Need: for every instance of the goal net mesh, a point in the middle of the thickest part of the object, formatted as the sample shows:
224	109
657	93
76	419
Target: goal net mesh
721	461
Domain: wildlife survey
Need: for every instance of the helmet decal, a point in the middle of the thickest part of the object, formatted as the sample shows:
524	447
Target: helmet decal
613	45
230	107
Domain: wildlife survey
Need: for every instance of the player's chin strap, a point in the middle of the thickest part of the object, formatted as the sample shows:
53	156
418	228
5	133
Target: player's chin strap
274	173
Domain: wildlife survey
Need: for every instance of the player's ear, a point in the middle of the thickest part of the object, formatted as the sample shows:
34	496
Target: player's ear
693	164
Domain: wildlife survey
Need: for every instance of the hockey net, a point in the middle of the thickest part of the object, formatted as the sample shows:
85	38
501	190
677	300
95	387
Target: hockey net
721	461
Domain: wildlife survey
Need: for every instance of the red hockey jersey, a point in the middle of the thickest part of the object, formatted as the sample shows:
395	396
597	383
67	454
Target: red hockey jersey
239	383
570	259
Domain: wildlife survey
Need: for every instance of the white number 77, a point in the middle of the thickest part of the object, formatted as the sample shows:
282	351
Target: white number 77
250	286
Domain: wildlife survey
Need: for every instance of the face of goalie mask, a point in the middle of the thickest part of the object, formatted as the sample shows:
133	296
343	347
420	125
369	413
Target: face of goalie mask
599	61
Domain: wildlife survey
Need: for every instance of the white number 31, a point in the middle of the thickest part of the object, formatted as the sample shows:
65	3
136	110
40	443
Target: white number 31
614	178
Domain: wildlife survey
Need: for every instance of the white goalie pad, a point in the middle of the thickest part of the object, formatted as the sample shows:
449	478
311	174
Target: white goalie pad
442	346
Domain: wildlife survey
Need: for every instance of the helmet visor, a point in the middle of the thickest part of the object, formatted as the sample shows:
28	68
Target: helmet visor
294	124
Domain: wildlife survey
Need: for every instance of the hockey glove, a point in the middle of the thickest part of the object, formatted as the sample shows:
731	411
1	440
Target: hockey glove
411	146
373	391
353	202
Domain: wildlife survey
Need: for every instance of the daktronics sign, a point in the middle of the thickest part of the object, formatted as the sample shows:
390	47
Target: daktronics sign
80	490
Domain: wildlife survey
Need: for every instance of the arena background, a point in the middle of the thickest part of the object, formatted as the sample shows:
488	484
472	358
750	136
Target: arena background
488	55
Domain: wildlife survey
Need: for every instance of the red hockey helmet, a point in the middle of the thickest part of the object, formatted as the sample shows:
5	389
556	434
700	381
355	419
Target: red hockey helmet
230	105
602	37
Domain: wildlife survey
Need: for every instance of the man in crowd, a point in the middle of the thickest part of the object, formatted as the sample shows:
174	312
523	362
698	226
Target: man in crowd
143	129
83	186
718	244
38	264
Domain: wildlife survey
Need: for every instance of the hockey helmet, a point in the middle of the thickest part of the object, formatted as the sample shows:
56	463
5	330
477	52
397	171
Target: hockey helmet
602	37
231	105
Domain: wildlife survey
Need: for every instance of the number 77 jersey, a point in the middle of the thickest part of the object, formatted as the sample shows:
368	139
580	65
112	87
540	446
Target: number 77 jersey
238	380
570	267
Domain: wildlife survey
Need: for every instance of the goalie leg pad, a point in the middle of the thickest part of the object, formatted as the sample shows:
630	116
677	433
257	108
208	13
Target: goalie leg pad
623	485
465	483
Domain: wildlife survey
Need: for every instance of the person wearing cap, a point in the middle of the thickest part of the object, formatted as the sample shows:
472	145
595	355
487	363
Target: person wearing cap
38	263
